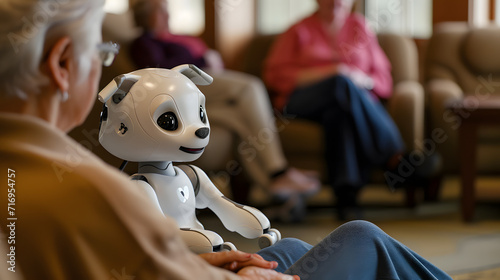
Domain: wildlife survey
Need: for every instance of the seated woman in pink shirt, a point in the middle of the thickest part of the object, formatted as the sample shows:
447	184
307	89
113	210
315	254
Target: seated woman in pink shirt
330	69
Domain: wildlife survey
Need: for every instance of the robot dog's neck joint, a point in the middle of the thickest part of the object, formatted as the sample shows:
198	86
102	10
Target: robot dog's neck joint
157	167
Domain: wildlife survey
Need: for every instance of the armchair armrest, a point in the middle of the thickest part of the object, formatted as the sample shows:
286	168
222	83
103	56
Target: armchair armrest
440	92
406	106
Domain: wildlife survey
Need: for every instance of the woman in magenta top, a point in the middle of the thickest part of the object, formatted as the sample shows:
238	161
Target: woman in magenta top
330	69
311	48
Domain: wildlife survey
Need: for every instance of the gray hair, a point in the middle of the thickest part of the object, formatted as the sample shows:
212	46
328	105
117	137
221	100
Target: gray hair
29	29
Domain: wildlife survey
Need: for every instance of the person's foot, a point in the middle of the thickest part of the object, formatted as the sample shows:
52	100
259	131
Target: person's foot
405	170
347	203
287	210
309	173
346	214
293	182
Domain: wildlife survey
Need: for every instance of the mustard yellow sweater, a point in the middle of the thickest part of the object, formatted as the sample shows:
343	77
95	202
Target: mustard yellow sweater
74	217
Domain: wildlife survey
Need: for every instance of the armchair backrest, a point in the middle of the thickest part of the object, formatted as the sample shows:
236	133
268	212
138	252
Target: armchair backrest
470	57
403	55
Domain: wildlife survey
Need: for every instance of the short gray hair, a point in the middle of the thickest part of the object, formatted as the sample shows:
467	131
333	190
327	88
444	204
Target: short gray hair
29	28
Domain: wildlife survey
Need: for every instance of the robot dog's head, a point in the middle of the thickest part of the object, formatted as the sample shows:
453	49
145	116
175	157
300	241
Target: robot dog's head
155	115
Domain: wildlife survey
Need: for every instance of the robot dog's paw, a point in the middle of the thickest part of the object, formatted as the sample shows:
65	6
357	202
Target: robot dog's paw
228	246
269	238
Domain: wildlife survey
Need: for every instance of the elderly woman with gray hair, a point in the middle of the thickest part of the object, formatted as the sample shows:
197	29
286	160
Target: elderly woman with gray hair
71	216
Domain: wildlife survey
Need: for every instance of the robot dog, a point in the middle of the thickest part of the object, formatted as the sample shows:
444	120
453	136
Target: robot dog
156	117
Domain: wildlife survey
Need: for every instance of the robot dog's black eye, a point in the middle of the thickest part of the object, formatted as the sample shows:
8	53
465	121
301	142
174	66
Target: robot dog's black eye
203	115
168	121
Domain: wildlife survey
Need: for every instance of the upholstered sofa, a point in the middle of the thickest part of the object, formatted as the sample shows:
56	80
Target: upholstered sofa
302	140
462	61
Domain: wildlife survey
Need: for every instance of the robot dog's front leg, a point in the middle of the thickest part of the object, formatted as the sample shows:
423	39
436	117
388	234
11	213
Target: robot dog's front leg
245	220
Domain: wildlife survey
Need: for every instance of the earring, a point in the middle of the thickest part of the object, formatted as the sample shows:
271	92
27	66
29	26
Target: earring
64	96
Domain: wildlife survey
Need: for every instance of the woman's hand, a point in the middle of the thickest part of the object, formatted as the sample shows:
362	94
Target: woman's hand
358	77
257	273
315	74
236	260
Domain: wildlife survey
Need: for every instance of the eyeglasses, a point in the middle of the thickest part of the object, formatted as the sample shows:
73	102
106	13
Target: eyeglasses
108	52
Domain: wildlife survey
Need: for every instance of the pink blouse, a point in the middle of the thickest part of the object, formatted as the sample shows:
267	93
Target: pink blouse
307	45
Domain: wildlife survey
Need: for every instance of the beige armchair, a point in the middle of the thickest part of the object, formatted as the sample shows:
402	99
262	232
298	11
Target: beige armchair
406	106
462	61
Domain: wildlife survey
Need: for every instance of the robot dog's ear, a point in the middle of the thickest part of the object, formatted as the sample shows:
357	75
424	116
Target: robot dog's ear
118	88
195	74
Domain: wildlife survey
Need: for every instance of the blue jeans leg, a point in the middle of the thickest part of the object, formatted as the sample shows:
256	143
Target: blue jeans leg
359	133
360	250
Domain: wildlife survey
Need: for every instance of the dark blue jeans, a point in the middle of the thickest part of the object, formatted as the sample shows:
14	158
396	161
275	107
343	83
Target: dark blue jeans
356	250
359	133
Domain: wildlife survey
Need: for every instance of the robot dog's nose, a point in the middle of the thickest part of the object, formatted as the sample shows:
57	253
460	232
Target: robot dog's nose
202	132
